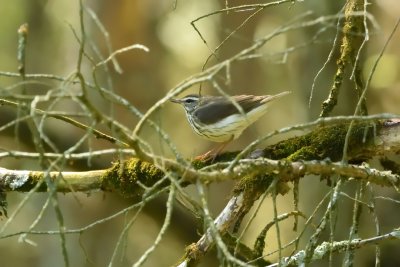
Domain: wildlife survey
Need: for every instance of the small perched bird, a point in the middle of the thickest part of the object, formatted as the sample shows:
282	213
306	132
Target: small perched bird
223	119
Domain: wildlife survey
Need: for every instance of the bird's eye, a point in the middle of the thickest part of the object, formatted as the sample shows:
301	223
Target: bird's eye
189	101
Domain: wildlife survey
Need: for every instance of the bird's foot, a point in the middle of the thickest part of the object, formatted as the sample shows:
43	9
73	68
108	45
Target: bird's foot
213	153
209	156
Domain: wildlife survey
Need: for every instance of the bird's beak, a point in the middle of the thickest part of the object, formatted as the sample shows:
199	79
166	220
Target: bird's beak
175	100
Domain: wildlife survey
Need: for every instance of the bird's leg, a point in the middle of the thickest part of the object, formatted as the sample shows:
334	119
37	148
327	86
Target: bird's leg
213	153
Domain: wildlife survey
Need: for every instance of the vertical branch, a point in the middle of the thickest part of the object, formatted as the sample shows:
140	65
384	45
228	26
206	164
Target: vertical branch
278	232
351	43
21	57
296	194
22	40
372	210
357	209
313	242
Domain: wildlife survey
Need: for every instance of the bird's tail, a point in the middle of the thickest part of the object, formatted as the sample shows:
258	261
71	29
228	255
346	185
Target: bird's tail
273	97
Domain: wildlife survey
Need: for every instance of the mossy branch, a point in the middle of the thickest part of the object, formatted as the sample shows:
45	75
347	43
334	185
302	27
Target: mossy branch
312	153
351	43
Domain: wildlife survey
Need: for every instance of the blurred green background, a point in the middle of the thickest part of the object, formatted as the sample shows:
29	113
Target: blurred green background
176	53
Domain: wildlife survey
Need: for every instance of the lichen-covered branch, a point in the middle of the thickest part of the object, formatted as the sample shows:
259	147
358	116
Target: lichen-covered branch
289	158
351	43
24	181
325	248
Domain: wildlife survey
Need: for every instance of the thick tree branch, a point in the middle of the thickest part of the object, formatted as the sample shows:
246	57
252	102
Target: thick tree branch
287	158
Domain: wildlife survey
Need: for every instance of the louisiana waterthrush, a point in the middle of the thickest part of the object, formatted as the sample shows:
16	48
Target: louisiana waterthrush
219	118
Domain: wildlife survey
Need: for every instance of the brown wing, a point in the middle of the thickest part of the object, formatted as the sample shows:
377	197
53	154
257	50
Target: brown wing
217	108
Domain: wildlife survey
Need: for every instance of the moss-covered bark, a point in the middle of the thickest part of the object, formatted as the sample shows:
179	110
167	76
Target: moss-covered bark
123	177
